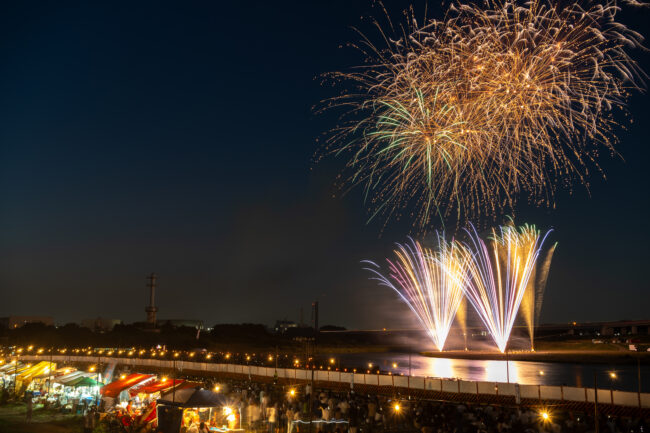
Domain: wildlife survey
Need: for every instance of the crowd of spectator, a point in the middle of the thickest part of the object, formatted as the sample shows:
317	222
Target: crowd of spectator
288	409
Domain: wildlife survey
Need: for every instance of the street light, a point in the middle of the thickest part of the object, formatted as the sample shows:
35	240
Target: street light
15	373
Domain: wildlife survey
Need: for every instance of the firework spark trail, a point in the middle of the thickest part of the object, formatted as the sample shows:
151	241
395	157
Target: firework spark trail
427	283
498	274
466	114
531	304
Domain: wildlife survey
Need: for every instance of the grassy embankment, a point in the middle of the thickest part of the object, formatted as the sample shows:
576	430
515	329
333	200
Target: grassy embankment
12	419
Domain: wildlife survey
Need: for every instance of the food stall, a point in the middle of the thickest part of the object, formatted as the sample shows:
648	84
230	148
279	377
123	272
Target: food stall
24	378
43	383
117	392
73	392
192	406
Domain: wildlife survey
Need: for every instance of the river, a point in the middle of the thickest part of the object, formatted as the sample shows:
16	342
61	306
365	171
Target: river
619	377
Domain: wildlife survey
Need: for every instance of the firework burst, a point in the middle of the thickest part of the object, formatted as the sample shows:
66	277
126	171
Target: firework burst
462	116
428	283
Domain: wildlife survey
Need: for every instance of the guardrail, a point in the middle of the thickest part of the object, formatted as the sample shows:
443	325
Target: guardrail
514	392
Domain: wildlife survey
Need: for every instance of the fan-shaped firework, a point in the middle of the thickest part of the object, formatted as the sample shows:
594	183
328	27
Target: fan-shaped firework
428	283
498	275
531	304
463	115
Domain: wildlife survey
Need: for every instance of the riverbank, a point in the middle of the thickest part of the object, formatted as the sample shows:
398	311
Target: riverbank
558	355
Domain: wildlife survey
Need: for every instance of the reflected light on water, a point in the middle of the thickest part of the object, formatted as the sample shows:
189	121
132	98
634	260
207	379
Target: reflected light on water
487	371
523	372
441	367
497	371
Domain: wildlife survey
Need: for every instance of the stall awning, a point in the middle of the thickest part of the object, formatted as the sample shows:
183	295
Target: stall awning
20	369
67	378
192	397
113	389
82	381
35	370
55	373
9	368
157	386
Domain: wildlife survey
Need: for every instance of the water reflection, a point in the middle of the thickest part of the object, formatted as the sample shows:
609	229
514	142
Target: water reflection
501	371
524	372
487	371
441	367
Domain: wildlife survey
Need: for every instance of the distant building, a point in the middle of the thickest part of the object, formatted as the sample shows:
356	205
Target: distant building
177	323
596	329
13	322
626	327
100	324
281	326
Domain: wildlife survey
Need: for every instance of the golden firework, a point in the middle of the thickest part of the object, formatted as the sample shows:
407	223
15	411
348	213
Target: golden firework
464	115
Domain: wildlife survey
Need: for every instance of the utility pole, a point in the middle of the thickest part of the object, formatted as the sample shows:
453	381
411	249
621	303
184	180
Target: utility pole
507	367
311	392
638	373
596	430
15	374
99	366
275	374
174	381
314	316
151	309
49	375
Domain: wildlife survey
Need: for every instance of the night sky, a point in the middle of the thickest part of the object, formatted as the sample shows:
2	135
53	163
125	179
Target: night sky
177	138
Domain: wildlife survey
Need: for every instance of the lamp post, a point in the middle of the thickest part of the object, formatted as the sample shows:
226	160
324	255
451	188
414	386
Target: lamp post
409	363
507	367
638	373
15	373
49	376
99	364
173	380
596	430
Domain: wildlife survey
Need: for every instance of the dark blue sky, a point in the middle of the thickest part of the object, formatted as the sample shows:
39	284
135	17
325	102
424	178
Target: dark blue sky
177	137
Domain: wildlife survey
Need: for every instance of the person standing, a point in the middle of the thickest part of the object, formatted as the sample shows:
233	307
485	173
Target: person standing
289	415
272	417
29	408
89	420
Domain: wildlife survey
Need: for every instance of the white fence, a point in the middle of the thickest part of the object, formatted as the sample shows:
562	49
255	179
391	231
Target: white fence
536	392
